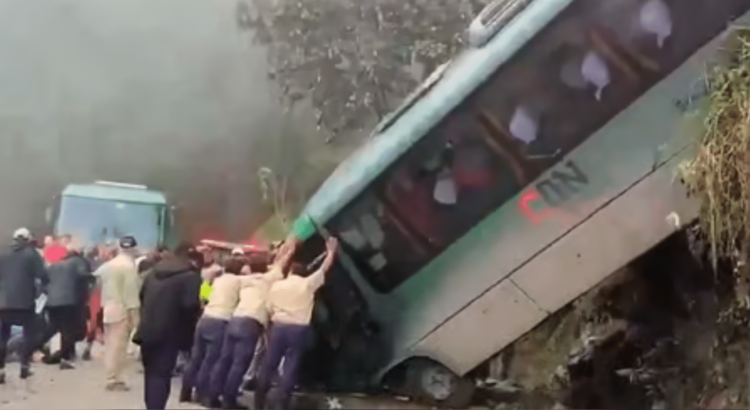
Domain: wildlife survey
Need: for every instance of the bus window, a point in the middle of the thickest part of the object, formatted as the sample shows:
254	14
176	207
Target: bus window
590	63
444	185
593	61
380	240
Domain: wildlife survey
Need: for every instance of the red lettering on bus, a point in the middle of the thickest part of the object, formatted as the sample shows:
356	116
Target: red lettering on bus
524	204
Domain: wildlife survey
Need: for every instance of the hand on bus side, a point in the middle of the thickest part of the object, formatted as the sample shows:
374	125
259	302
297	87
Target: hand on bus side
290	244
286	250
332	245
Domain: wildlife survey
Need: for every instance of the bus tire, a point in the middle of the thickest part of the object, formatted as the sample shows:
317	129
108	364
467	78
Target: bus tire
433	383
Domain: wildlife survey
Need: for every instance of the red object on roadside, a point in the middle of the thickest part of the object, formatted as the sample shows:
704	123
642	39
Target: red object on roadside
95	304
249	249
55	253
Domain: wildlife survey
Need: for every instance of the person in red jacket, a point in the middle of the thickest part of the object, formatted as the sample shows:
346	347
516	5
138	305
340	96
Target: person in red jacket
55	251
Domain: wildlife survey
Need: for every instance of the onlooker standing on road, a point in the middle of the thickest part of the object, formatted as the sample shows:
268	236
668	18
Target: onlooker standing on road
119	298
97	258
66	301
54	251
20	269
169	297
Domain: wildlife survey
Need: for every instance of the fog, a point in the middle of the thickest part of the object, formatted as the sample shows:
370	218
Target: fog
163	92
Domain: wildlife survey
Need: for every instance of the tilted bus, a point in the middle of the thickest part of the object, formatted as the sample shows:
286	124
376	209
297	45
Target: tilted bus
522	173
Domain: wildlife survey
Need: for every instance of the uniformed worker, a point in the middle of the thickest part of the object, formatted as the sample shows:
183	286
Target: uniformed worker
291	304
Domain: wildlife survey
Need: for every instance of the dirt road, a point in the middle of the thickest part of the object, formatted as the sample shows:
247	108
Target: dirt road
82	388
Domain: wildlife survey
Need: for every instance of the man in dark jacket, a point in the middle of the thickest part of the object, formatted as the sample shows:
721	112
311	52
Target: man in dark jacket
66	302
169	302
21	267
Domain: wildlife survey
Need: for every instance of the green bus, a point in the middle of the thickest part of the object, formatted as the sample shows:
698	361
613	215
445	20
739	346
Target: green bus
104	211
522	173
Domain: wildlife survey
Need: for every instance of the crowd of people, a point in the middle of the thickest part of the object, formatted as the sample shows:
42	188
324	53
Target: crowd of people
222	318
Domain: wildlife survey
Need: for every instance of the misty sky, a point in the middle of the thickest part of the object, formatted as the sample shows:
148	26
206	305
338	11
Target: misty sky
94	89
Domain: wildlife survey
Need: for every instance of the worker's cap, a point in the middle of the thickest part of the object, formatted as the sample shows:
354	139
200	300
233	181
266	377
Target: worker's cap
128	242
22	234
238	251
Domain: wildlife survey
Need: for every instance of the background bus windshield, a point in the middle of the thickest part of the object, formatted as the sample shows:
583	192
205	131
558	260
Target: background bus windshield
95	220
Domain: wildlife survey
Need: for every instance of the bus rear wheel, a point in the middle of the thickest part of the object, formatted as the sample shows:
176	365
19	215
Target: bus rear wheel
431	382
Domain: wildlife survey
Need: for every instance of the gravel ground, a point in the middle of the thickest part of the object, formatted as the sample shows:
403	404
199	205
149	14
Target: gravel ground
82	388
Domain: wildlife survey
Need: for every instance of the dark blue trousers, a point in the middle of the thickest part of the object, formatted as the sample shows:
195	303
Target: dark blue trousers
285	341
158	361
207	344
19	317
239	348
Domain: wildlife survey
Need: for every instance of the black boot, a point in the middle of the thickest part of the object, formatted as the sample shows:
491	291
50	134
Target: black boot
26	372
54	358
186	395
249	385
2	376
232	404
210	403
259	400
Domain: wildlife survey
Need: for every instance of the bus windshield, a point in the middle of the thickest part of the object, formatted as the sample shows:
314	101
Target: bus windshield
96	220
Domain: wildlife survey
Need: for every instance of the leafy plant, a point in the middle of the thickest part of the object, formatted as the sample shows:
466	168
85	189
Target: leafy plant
719	175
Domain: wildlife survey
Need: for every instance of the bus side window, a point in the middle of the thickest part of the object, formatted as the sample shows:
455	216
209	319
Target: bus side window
380	241
484	178
593	61
443	186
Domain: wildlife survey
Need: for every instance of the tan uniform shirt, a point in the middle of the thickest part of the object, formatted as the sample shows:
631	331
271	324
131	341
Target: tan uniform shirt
254	294
224	297
120	287
211	272
291	300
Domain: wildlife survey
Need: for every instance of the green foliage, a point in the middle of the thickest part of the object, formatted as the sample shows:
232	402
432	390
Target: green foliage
719	175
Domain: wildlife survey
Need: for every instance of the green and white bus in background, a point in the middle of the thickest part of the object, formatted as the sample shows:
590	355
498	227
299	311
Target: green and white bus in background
104	211
518	176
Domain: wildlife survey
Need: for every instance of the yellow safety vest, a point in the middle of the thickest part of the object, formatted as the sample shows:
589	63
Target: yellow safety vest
206	289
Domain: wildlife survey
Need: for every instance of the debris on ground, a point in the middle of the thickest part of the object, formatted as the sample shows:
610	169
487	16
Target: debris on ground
648	337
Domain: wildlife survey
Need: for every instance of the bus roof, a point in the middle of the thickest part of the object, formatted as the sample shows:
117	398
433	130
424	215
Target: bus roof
115	193
463	75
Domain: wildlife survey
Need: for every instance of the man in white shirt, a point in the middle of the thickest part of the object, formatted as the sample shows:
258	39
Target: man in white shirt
120	304
290	303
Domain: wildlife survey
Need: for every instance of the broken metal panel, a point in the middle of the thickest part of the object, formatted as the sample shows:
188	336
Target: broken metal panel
484	327
632	224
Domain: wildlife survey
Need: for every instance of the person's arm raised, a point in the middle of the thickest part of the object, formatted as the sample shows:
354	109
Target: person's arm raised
285	253
318	278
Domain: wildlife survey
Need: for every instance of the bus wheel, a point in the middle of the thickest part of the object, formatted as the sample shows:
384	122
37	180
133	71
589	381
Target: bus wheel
434	383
